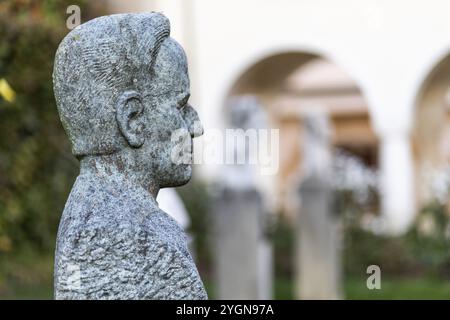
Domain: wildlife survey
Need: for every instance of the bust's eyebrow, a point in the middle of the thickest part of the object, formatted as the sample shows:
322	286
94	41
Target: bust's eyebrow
180	96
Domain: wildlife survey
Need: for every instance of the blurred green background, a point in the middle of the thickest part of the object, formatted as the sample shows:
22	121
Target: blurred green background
37	170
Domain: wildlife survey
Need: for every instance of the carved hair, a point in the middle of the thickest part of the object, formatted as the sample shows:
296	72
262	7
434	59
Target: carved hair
94	64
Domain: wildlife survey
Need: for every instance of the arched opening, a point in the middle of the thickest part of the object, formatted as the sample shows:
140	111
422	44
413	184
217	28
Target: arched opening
288	87
431	137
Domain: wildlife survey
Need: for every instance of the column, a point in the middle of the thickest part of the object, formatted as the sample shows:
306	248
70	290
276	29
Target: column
397	181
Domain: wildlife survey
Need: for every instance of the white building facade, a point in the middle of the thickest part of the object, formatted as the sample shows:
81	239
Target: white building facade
395	52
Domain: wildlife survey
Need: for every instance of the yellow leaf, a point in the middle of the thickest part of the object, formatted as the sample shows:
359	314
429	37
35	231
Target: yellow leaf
6	91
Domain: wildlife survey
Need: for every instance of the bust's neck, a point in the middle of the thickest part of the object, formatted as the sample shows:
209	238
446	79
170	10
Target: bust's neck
117	169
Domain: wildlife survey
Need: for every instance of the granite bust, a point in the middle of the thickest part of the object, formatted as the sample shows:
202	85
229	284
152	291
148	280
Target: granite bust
122	88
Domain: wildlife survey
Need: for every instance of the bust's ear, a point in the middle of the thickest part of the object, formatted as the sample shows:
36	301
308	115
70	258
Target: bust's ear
129	116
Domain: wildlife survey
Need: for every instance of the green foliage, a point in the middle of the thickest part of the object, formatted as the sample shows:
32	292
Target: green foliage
283	240
392	254
36	165
430	239
422	252
198	202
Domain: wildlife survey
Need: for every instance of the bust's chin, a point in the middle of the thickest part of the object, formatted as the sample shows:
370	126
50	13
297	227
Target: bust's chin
179	177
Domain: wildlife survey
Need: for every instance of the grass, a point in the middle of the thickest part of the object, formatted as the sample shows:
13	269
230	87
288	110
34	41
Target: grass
354	289
391	289
398	288
29	276
43	291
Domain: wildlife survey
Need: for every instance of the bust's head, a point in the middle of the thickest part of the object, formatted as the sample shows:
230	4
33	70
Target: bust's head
122	87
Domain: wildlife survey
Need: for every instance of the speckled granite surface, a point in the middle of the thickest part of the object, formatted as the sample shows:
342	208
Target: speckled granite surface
122	89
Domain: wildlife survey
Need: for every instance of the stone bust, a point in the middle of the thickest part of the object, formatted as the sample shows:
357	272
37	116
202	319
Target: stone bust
121	85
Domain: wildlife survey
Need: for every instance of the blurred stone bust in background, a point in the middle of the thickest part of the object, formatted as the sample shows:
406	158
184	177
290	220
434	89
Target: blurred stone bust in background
122	90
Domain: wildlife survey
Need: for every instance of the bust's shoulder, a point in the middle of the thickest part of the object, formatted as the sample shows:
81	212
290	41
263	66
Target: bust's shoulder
116	238
110	260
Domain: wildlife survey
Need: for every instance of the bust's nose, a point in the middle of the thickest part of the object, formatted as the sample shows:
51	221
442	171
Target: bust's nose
194	125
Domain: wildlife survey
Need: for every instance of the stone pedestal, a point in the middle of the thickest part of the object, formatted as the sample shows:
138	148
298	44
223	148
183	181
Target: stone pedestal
317	243
243	255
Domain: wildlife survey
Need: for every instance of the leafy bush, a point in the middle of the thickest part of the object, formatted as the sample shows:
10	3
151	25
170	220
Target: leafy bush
36	165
